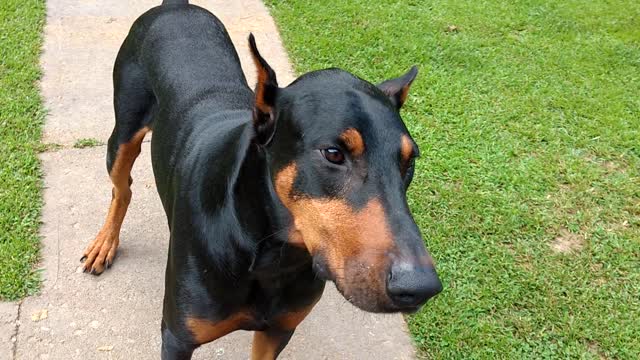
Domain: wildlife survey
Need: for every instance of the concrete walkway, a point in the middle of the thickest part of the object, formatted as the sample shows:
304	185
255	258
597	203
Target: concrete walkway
117	315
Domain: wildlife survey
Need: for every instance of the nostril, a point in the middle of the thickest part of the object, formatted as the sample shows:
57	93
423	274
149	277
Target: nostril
405	298
409	286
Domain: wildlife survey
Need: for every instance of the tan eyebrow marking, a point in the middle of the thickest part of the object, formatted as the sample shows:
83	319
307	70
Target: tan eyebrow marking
406	148
353	141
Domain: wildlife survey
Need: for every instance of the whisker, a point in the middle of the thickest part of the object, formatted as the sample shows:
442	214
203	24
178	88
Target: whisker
271	235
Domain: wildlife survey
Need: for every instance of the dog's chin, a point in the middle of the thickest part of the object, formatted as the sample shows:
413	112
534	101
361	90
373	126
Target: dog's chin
361	292
368	300
408	310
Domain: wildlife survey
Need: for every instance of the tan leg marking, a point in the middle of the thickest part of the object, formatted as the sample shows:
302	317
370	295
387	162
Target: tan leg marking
291	320
268	344
204	330
101	251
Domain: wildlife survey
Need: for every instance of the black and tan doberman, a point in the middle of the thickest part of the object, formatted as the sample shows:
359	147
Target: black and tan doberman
268	193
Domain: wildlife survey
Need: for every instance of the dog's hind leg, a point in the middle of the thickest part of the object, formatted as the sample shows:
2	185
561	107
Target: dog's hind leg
134	105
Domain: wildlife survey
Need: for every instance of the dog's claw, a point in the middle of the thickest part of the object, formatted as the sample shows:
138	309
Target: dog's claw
108	264
95	272
83	258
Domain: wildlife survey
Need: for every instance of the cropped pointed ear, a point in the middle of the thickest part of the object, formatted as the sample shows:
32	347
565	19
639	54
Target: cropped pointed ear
397	89
265	92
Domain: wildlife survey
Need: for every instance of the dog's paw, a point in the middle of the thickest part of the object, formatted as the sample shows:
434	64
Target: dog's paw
99	255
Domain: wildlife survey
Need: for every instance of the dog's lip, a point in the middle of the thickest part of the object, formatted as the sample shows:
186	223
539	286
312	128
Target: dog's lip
320	270
322	273
401	309
410	310
387	308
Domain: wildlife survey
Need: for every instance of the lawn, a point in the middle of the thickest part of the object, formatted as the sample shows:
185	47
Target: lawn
527	114
21	118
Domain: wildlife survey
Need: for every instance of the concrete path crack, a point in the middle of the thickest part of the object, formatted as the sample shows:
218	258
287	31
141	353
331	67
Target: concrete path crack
16	332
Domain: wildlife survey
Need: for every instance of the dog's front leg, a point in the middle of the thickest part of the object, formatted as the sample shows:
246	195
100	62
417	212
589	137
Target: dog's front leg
174	348
269	343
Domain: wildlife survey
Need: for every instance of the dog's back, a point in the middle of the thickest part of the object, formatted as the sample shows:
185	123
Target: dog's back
186	53
177	73
192	77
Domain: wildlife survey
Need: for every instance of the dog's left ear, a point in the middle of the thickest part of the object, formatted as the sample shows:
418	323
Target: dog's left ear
266	92
397	89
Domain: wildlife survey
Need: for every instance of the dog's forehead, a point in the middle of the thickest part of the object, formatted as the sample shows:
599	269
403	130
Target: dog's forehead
332	85
326	103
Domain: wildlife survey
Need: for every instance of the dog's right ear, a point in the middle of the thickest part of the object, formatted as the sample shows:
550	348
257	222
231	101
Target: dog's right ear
266	91
398	88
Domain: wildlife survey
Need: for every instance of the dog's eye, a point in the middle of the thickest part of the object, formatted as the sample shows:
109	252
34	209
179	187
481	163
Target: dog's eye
333	155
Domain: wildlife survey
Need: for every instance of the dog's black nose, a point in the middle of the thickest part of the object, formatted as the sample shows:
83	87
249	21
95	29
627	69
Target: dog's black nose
409	285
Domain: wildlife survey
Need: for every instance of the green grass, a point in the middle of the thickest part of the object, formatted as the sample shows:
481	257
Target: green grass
87	142
47	147
528	120
21	117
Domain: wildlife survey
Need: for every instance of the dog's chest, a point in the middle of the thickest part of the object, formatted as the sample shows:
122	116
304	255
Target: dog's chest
278	300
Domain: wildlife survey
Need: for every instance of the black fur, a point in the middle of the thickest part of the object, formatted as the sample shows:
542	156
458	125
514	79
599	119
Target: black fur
178	73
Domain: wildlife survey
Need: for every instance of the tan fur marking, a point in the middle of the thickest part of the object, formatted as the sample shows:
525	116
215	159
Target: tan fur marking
102	250
406	148
262	79
404	93
267	346
284	184
333	227
264	347
204	330
353	141
291	320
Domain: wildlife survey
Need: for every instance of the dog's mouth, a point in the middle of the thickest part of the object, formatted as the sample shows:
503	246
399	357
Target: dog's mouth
320	269
362	286
377	287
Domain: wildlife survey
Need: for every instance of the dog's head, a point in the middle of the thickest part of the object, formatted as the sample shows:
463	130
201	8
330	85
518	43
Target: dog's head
341	160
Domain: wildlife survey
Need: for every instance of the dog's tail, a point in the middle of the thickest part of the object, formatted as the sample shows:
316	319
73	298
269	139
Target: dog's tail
175	2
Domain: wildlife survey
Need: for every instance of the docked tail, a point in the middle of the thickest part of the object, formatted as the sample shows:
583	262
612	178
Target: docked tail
175	2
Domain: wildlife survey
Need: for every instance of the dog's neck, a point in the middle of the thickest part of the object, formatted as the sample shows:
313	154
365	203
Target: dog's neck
268	222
